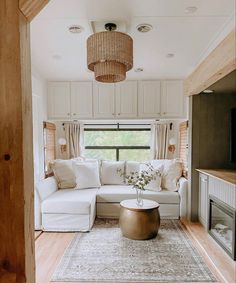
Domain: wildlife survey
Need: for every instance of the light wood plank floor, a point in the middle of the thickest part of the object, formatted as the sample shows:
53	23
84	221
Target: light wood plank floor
51	246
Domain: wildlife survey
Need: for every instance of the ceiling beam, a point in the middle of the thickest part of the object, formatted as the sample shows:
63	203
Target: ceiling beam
30	8
219	63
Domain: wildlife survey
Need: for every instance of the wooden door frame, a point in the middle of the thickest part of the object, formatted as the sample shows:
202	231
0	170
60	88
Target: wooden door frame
17	256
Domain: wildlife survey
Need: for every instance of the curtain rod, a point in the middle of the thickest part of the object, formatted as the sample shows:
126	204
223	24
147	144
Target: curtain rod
119	124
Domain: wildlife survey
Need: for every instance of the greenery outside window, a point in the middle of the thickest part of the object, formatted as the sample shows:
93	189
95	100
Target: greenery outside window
117	143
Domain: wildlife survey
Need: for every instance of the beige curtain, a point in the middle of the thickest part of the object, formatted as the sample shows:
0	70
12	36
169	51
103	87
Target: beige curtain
74	139
160	140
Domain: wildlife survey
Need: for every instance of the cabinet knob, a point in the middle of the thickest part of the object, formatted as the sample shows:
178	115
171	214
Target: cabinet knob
74	114
164	113
118	113
113	114
68	114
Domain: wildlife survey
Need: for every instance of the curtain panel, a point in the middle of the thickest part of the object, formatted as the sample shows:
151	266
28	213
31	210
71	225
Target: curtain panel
74	139
159	140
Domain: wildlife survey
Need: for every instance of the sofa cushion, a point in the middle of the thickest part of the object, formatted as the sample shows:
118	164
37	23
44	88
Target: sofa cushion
117	193
110	174
172	172
87	175
70	201
64	174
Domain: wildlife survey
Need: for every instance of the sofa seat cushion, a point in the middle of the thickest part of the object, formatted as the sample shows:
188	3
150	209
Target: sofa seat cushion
117	193
70	201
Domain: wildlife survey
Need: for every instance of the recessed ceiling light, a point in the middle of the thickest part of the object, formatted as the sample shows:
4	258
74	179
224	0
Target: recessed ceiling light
56	56
208	91
144	28
75	29
190	10
138	70
170	55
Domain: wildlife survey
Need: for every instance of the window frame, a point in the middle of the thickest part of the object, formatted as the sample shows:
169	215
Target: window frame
118	148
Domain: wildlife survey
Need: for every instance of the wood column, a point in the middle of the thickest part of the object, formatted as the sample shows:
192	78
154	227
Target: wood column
16	161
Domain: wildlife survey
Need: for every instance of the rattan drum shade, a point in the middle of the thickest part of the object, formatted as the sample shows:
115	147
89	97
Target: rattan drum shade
110	55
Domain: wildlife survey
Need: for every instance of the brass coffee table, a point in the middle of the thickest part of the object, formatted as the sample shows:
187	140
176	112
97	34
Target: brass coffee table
139	222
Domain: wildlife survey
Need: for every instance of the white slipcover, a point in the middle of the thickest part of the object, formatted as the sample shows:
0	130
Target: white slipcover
117	193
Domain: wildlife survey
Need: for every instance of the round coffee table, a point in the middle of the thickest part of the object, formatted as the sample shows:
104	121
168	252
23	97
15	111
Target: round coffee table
139	222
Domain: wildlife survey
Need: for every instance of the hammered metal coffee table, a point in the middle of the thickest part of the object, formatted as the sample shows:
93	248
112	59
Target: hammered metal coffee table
139	222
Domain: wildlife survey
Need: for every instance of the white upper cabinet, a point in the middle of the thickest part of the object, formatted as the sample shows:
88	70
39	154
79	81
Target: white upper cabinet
149	99
104	100
126	99
59	100
172	99
81	100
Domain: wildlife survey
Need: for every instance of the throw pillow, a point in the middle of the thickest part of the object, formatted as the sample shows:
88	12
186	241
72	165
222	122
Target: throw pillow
132	166
110	174
172	172
87	175
64	174
155	184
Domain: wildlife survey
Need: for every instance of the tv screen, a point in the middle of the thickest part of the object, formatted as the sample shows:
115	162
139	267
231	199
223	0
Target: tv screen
233	135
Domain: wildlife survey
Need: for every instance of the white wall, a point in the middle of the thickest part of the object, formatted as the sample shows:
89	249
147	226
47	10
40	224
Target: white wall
39	101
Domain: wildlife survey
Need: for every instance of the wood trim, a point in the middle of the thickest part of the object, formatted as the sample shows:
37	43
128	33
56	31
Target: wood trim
28	164
219	63
30	8
16	162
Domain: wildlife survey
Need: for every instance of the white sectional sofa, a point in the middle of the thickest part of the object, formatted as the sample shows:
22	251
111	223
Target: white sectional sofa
76	209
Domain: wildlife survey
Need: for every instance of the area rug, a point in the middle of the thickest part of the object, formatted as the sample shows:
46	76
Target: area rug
104	255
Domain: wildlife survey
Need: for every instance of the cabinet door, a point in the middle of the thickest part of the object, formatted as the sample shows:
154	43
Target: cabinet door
104	100
172	99
203	199
59	100
81	100
126	99
149	99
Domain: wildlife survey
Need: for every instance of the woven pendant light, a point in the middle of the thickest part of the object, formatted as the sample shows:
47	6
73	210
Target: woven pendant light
110	55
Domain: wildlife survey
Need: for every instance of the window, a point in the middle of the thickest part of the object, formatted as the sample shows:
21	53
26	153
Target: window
118	142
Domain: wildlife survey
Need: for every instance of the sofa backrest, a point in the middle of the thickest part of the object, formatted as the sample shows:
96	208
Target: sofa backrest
46	187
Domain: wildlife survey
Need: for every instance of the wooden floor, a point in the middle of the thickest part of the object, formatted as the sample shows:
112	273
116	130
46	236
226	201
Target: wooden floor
51	246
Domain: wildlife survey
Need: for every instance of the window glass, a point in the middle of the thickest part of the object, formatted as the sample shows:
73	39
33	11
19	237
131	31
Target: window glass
117	138
134	154
128	144
103	154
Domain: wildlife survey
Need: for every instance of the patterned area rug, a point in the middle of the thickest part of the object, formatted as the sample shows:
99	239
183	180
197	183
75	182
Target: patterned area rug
104	255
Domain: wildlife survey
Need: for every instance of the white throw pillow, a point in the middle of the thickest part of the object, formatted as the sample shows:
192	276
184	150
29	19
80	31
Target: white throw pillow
110	174
87	175
132	166
173	170
64	174
155	184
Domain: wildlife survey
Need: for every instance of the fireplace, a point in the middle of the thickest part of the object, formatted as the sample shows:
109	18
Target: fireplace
222	225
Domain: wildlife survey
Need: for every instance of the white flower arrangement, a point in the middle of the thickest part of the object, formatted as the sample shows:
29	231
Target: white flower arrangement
142	178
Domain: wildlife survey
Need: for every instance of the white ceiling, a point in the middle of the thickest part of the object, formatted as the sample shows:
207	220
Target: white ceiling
60	55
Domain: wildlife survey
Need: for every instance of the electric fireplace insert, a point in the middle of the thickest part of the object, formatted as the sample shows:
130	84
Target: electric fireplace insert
222	224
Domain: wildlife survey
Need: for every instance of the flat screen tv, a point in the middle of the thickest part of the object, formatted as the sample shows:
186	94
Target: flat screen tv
233	136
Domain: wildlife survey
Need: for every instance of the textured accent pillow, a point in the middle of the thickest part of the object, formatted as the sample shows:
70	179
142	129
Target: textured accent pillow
173	170
87	175
64	174
155	184
110	174
132	166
